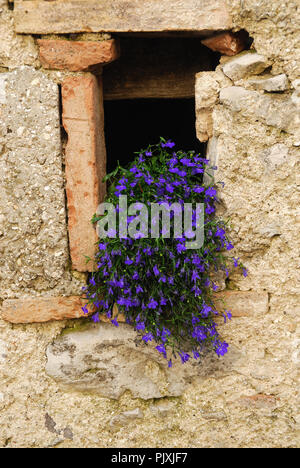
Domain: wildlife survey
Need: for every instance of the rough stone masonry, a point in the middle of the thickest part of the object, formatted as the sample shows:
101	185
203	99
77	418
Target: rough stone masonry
66	383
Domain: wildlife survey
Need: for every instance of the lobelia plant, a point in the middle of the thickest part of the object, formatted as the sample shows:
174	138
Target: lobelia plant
164	290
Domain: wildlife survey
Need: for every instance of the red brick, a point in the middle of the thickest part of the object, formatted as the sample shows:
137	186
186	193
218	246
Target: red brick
227	43
77	56
42	309
46	309
83	119
243	303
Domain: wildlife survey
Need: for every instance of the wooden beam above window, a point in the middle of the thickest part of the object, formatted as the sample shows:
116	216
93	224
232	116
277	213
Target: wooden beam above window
157	68
74	16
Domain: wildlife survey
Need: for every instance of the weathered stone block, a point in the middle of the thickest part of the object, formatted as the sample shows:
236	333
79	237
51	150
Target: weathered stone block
237	97
270	83
76	56
245	64
206	91
33	235
41	309
106	360
227	43
276	111
83	119
131	16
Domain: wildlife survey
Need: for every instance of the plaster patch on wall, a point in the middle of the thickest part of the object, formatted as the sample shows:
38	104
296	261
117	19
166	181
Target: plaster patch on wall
107	361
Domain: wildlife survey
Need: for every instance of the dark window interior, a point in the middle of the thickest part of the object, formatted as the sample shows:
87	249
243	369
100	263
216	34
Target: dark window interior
130	125
150	92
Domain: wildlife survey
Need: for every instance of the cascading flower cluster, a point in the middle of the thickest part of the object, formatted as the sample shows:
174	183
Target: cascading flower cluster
164	289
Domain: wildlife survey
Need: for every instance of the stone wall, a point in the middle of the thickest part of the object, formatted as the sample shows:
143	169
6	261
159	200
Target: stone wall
51	374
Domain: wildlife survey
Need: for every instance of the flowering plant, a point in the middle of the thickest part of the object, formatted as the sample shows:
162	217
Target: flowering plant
164	289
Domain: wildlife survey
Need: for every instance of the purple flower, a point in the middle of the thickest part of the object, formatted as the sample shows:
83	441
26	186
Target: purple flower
148	153
180	248
85	309
171	280
121	188
169	188
162	279
198	189
152	304
177	171
186	161
197	291
92	281
114	322
170	363
206	310
209	209
148	337
122	301
128	261
140	326
156	270
220	233
161	349
96	318
195	320
163	301
184	357
229	314
221	348
211	192
197	170
245	272
199	333
195	276
165	334
168	144
148	180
